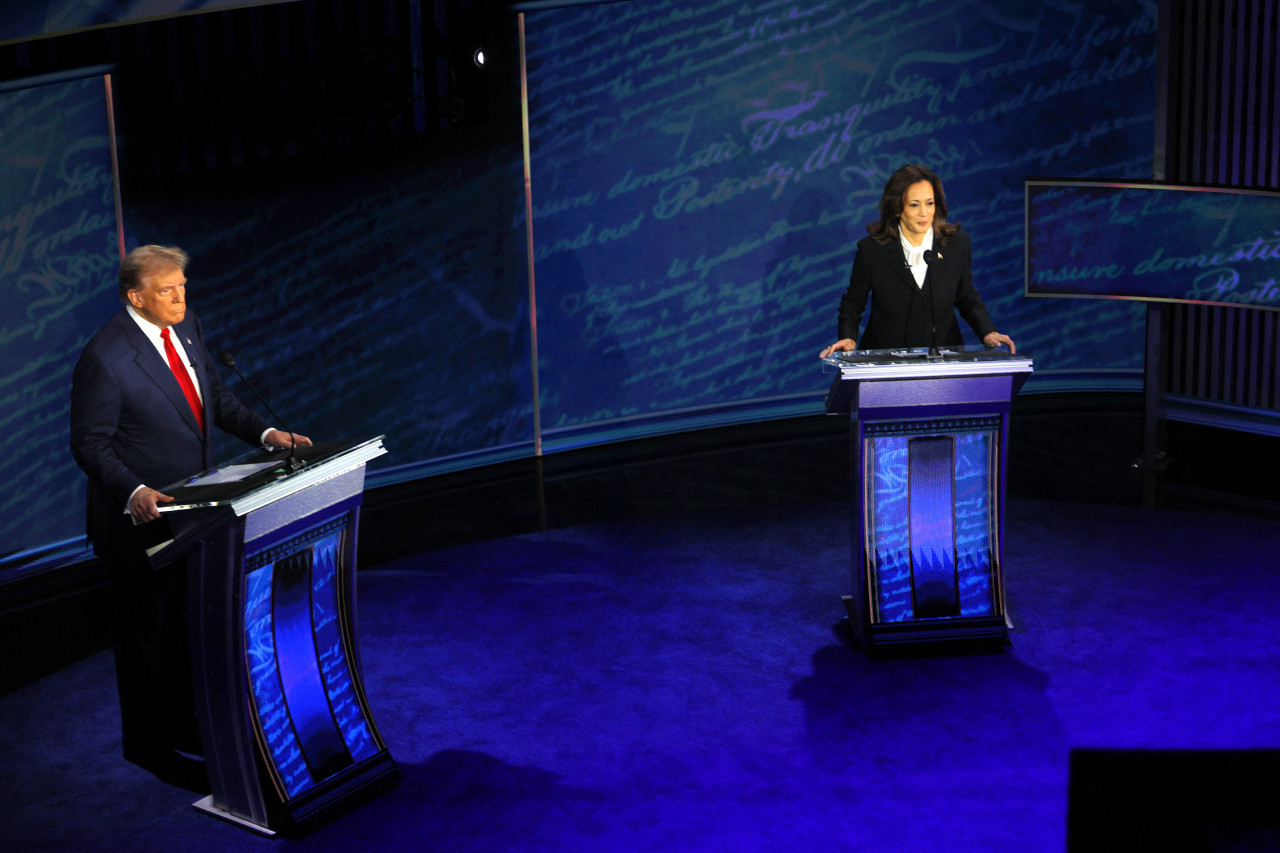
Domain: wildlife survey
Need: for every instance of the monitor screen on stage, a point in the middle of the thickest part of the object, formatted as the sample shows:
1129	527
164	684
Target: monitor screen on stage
31	19
1155	242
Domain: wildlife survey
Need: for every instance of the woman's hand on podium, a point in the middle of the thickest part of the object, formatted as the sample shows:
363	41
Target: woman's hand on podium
842	345
995	339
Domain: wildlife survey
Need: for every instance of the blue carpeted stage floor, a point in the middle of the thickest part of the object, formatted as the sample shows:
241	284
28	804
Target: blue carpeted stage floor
685	684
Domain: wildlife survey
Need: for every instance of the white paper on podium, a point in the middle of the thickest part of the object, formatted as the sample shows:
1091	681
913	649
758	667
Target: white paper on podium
233	473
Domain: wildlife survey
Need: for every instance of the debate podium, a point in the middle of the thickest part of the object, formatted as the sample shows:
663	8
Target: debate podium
269	542
928	441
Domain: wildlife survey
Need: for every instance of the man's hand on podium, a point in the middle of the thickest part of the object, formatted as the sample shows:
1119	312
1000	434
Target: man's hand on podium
280	438
142	503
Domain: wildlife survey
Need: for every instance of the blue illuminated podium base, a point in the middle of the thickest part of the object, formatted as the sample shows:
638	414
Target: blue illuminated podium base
928	438
270	547
946	630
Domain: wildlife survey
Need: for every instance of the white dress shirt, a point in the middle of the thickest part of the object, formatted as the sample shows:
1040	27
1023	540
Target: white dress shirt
915	256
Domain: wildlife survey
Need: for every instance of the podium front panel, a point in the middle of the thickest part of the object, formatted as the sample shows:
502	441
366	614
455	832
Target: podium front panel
288	737
308	706
929	435
930	528
963	390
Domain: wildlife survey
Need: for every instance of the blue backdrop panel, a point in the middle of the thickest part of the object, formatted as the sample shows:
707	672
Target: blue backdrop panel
701	174
390	301
58	259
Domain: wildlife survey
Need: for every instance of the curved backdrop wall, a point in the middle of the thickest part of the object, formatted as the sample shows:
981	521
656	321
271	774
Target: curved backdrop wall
59	250
702	173
699	176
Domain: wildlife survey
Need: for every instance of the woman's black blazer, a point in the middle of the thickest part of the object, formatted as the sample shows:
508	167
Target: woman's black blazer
899	314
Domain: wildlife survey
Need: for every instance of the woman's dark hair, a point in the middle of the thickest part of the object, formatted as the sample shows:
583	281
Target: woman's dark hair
892	200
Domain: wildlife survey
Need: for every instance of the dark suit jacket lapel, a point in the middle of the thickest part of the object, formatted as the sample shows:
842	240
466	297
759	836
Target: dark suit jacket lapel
897	259
937	270
157	370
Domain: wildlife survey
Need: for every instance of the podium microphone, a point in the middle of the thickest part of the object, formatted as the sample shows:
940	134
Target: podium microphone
230	361
929	257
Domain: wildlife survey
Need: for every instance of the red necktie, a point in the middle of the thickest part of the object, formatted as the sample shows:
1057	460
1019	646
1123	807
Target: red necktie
184	379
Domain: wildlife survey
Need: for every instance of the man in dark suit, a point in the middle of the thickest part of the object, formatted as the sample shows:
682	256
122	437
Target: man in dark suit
915	268
145	397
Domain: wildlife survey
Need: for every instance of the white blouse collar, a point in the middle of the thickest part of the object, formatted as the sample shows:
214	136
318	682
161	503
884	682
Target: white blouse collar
915	254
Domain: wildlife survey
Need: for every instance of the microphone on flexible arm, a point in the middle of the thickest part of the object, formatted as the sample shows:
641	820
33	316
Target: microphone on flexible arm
230	361
929	257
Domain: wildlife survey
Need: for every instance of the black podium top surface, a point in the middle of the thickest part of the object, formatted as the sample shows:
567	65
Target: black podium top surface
903	363
876	365
259	468
921	355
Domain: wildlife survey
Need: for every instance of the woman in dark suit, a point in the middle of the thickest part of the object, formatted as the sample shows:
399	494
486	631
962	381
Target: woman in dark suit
914	266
